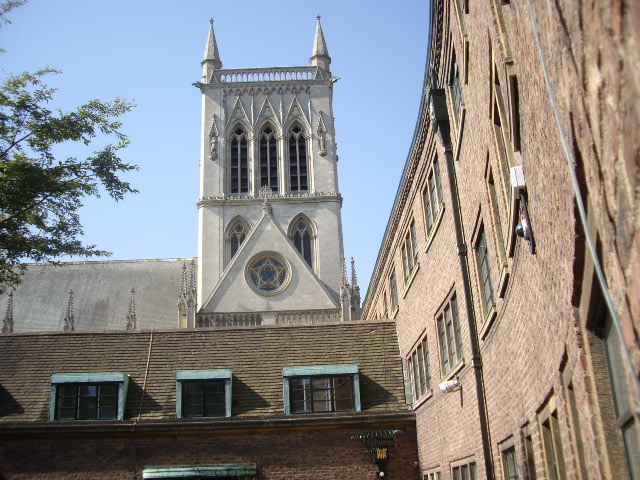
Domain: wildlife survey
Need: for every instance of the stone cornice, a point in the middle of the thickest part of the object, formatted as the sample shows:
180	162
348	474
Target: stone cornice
310	197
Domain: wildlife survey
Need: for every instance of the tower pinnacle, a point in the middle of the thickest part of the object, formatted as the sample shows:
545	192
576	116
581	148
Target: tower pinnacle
320	56
211	59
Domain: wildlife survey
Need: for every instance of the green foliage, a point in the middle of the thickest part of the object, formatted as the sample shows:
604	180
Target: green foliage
39	194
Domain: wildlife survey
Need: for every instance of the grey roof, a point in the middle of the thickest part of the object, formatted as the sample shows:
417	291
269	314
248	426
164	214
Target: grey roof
102	294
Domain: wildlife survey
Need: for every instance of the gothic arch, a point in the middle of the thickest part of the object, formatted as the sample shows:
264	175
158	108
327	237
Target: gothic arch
303	234
267	164
235	234
297	154
238	175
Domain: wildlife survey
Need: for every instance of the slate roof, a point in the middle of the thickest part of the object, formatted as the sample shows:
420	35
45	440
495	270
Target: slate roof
255	355
102	293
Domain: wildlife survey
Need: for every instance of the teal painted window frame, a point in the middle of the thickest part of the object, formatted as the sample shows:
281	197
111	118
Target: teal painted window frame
288	373
202	375
120	378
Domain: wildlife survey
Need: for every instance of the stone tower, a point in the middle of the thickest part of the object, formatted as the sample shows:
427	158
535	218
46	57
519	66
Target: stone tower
270	231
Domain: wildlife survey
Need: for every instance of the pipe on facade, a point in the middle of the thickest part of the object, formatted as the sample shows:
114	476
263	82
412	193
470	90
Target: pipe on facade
440	118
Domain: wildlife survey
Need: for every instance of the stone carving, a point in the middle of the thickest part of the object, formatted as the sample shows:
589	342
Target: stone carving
322	136
213	140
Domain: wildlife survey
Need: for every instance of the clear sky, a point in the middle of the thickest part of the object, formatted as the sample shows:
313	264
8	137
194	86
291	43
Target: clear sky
150	52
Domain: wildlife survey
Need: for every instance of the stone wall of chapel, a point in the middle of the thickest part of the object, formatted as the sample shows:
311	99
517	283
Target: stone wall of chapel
541	352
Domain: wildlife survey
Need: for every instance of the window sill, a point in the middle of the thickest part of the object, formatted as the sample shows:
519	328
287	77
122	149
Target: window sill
409	281
422	399
434	228
488	321
453	372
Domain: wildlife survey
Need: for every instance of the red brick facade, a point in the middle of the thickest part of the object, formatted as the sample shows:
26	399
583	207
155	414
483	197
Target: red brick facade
542	337
302	446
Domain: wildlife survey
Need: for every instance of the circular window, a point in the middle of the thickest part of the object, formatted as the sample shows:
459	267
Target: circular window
268	273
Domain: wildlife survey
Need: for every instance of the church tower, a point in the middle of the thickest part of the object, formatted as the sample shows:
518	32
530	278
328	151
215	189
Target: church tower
270	232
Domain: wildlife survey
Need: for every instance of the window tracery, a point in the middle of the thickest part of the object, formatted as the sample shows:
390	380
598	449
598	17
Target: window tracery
298	176
301	234
239	164
268	158
236	235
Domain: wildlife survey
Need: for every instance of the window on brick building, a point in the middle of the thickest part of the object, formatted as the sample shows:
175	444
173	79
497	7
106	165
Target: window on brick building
554	458
464	470
419	367
432	196
410	252
484	272
203	393
432	475
509	464
321	389
530	461
449	335
393	285
456	88
88	396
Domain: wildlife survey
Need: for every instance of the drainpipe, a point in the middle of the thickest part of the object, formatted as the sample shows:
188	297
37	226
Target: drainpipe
440	118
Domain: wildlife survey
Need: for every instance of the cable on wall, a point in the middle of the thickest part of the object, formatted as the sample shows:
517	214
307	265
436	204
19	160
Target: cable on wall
583	215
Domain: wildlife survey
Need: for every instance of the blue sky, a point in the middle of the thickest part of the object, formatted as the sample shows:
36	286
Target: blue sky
150	52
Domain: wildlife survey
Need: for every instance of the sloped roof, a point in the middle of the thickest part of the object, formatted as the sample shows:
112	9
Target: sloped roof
256	357
102	293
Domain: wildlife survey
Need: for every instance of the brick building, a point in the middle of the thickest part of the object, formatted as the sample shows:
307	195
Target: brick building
260	431
511	345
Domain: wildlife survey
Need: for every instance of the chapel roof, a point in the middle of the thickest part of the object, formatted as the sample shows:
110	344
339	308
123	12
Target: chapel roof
101	295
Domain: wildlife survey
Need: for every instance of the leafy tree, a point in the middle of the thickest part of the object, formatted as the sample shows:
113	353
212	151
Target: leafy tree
40	194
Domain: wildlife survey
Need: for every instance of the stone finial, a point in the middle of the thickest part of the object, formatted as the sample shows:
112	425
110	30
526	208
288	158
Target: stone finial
7	321
345	279
69	321
131	316
320	56
354	277
266	193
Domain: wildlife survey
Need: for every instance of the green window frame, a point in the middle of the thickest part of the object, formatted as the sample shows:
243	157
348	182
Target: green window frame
321	389
88	396
203	393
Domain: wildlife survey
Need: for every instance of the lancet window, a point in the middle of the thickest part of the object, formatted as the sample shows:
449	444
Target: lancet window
302	239
298	176
239	164
268	158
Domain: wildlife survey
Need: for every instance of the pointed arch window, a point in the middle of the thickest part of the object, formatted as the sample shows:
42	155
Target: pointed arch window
239	167
298	176
237	233
302	235
268	158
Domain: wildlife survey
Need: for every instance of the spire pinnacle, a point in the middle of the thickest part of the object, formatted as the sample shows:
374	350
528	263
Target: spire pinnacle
211	54
7	321
131	316
69	320
320	56
354	277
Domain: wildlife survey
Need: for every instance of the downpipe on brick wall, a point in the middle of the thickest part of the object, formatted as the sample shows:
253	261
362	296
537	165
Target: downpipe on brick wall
440	120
